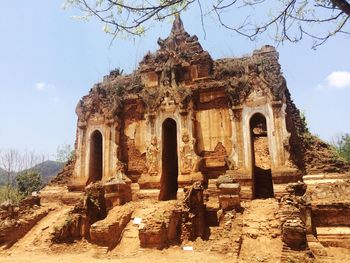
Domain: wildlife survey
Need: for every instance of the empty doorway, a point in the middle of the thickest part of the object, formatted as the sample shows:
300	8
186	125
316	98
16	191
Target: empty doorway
96	157
261	160
168	181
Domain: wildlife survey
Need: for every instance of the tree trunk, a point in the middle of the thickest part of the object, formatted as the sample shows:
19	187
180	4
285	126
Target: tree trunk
343	5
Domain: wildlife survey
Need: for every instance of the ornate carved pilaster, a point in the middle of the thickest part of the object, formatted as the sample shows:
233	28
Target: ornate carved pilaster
277	121
237	113
277	109
118	166
236	160
152	157
187	154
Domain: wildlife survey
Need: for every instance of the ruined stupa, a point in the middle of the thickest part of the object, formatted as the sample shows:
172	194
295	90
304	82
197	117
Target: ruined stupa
182	117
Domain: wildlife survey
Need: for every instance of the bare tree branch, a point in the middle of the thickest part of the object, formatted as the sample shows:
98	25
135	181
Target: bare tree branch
290	20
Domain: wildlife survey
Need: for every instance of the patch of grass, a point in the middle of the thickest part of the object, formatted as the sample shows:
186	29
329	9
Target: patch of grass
11	194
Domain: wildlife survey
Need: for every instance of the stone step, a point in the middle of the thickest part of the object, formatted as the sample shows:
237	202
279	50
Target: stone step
129	242
60	194
317	249
131	233
153	194
324	178
335	236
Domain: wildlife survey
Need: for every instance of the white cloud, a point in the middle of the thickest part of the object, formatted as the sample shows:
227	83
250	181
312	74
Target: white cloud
43	86
40	86
339	79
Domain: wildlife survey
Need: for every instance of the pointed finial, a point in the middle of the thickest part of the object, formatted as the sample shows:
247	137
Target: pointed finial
177	25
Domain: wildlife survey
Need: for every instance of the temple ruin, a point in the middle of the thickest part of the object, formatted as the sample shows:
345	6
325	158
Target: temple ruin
200	148
182	117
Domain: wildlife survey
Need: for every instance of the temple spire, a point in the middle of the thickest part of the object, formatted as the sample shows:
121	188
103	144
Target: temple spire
177	25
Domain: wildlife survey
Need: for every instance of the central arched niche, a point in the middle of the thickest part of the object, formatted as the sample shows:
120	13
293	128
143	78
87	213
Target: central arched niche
96	157
261	160
168	181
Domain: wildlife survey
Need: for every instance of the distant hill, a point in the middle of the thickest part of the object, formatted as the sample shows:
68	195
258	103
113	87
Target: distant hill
48	170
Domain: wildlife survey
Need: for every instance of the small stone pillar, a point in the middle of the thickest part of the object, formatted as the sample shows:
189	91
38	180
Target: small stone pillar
294	214
229	196
117	191
193	221
294	233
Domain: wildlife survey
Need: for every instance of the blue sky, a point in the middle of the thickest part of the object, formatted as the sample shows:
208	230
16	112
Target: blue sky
48	61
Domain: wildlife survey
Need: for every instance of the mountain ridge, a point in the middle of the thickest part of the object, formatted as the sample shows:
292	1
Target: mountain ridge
47	170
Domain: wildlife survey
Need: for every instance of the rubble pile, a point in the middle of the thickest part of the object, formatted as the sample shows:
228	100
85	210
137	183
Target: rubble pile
17	220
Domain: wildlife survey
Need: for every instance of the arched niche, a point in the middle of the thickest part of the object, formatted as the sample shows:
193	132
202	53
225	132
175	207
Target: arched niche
261	158
169	177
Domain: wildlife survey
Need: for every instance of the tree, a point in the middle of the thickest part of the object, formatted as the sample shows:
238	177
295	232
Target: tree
11	163
290	20
64	153
9	194
342	146
28	182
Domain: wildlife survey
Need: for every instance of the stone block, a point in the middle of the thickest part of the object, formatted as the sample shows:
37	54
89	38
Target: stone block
294	233
228	202
153	235
230	188
117	193
225	179
107	232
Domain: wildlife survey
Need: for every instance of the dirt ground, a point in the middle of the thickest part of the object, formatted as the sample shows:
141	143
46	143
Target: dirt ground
261	242
94	254
68	254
